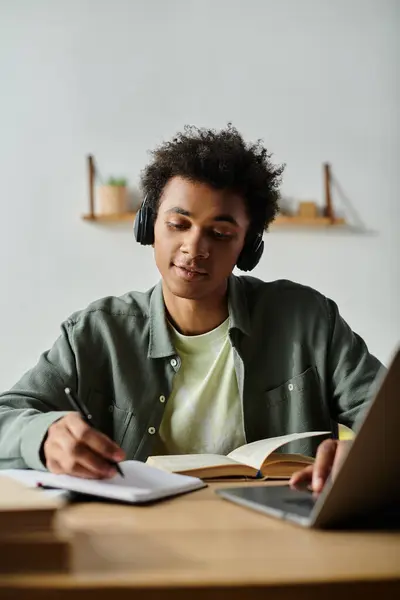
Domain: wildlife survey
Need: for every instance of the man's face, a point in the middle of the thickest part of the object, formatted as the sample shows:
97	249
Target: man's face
199	233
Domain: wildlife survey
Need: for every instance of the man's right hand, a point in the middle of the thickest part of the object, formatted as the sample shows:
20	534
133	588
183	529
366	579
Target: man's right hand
74	448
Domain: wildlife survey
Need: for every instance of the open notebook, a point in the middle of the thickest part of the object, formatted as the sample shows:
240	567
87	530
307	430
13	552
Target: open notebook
257	459
141	483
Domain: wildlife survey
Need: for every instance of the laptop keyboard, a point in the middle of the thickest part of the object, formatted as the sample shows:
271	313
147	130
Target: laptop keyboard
299	505
305	502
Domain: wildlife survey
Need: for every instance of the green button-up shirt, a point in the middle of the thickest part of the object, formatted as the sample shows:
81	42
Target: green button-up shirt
299	367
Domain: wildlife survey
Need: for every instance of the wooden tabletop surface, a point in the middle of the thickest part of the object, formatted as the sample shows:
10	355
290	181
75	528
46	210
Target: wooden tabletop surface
199	545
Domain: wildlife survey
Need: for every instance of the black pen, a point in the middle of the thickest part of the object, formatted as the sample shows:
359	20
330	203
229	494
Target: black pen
88	418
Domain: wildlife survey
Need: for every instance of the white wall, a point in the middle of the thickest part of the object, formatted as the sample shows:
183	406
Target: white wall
317	80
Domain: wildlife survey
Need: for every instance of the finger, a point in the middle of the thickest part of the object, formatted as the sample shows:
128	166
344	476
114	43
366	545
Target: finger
97	441
342	449
93	462
323	464
72	454
77	471
302	477
54	466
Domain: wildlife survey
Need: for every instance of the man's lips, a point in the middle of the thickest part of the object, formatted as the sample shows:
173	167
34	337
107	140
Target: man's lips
189	273
191	269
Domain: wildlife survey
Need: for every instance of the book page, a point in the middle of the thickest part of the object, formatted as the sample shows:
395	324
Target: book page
255	453
186	462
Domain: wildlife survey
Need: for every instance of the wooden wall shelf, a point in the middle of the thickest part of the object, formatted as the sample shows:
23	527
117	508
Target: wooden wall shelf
119	217
326	220
296	221
280	221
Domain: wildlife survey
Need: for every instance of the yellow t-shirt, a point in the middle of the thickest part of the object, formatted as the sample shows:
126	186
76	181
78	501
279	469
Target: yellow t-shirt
203	413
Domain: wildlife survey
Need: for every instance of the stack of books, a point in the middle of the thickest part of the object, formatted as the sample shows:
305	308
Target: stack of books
29	539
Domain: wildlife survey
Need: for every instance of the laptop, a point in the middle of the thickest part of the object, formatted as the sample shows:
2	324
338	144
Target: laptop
366	488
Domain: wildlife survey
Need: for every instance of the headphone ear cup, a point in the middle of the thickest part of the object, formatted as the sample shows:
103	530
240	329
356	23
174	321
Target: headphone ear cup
143	226
251	254
137	230
148	226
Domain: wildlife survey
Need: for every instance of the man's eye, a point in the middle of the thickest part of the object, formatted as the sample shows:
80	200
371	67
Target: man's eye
219	235
178	226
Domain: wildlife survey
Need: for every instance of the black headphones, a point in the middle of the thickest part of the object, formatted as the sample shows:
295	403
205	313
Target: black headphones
143	228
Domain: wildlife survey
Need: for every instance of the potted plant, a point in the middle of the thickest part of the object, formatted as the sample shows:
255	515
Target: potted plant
113	196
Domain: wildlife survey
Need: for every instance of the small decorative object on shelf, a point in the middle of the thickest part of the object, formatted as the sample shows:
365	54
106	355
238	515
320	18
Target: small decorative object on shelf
112	197
308	214
308	210
113	204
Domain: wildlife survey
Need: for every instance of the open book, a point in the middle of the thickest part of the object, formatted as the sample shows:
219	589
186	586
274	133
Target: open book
141	483
257	459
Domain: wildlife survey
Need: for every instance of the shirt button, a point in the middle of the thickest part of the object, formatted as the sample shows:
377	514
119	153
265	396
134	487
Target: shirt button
174	362
151	430
162	399
290	387
110	408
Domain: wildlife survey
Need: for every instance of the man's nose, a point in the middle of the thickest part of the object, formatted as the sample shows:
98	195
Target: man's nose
196	244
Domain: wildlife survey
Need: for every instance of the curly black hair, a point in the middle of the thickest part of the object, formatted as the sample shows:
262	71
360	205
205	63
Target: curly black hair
222	160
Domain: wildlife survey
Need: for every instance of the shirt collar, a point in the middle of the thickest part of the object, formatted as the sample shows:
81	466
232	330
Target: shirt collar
160	343
237	305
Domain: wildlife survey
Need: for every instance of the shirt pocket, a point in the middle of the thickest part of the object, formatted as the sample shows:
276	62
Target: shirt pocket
298	387
121	421
296	405
109	418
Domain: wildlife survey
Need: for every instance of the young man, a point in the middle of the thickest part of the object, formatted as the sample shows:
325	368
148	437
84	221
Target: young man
205	361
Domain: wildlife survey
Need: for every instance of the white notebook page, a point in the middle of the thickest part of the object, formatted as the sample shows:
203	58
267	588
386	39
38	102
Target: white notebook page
141	483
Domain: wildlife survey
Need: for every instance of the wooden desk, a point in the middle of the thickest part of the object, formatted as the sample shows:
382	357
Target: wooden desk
200	546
